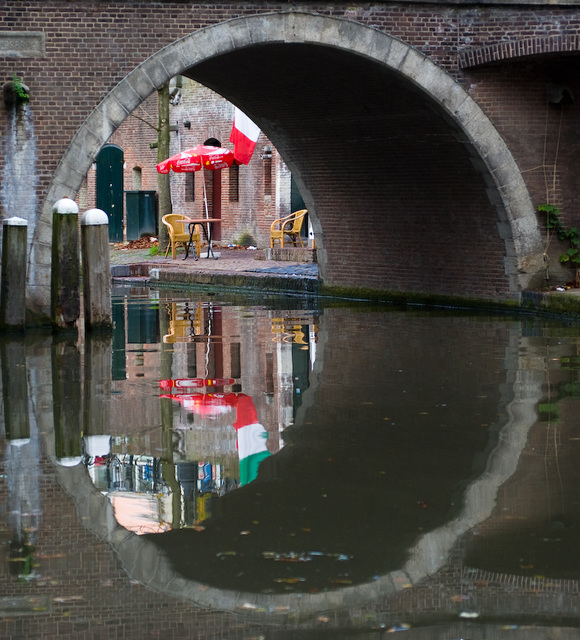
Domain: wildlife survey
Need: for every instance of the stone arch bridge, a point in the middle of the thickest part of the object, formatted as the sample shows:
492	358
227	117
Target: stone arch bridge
423	136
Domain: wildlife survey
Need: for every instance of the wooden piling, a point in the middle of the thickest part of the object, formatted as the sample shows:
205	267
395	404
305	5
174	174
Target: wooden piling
98	380
13	289
65	279
66	401
96	270
15	390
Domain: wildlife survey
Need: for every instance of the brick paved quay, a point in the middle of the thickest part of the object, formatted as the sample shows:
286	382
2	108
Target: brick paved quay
244	269
238	268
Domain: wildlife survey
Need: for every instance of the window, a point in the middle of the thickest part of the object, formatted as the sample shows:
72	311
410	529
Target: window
267	160
234	175
136	179
190	186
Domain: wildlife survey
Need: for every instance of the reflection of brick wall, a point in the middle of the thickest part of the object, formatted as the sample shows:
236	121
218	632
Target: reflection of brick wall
87	592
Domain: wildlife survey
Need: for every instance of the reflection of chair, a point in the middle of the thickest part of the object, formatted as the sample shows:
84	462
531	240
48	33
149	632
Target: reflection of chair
289	226
179	234
183	323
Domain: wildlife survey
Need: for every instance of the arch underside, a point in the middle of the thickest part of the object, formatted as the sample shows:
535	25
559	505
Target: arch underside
401	171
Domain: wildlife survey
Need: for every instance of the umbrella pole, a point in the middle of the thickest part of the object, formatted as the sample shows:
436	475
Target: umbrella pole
205	195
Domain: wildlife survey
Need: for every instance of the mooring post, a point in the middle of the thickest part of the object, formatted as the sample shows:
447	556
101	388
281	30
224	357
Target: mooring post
13	290
65	269
67	400
15	390
97	385
96	270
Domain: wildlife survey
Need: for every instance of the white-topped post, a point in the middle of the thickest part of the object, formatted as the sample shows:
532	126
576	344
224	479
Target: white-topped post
65	304
96	270
13	290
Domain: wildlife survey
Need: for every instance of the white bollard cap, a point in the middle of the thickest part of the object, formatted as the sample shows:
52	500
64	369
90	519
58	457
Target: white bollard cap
15	222
19	442
71	461
94	217
65	205
98	445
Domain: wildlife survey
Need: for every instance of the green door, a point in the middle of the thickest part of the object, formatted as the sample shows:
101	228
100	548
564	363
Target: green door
110	188
297	203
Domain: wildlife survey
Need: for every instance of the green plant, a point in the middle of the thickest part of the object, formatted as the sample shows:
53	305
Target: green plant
19	90
554	225
246	240
154	250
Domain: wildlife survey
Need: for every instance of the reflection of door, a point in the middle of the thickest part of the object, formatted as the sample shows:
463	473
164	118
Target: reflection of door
110	188
300	370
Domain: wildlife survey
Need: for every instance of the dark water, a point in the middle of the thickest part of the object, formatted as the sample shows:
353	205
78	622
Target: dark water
270	468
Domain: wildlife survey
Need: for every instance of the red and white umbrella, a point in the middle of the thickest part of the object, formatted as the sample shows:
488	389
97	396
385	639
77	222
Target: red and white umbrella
200	157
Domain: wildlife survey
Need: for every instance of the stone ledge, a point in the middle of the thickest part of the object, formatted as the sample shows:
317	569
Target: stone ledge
23	44
290	254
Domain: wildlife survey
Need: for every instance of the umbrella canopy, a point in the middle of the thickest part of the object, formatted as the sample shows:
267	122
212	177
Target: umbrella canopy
204	404
200	157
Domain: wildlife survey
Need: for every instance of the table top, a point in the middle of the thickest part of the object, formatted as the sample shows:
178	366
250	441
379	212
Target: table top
200	220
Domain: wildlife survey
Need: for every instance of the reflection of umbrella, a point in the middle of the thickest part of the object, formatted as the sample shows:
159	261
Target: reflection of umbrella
205	404
188	383
200	157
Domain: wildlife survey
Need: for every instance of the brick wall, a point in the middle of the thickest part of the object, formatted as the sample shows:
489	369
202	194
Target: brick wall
437	218
249	209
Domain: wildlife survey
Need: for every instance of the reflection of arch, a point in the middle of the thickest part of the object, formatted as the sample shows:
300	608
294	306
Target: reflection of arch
519	228
144	561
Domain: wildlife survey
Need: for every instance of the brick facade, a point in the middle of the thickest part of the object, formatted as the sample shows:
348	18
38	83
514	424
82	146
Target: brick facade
252	196
436	202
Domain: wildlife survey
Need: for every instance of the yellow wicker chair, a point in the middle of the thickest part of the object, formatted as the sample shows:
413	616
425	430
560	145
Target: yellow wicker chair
289	226
179	234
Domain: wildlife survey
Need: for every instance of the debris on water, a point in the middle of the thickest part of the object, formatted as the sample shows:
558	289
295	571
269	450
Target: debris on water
341	581
65	599
290	580
223	554
459	598
303	556
403	626
469	614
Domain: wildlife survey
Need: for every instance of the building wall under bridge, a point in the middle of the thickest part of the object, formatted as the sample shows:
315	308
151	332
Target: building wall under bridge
422	139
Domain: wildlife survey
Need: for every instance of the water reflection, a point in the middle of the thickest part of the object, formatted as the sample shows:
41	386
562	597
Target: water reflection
290	462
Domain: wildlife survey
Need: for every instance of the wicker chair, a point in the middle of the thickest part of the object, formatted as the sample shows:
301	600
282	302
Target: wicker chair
289	226
179	234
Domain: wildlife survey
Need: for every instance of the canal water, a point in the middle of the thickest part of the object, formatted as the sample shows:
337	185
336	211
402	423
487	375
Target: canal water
275	468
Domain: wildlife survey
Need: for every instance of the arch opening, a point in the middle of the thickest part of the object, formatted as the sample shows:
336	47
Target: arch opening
400	169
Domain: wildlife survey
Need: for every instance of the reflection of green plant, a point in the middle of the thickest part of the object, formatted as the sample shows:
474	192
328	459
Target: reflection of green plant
21	93
548	409
554	225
